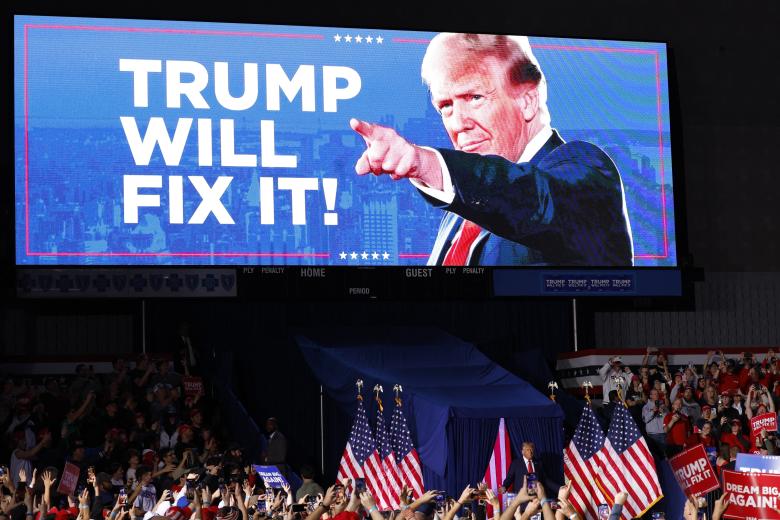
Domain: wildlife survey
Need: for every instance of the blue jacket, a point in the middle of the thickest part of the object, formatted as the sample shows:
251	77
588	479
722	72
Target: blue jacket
565	207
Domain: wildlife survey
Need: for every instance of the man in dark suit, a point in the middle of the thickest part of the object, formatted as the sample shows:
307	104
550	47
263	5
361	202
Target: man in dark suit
515	193
521	467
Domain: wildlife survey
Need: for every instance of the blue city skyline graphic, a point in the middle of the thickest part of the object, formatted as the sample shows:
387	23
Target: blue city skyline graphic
77	151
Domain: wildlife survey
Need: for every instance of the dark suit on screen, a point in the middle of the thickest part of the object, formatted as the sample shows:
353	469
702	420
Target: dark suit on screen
563	207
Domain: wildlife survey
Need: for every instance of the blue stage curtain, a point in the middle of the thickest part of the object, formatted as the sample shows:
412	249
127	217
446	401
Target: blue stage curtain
547	436
470	445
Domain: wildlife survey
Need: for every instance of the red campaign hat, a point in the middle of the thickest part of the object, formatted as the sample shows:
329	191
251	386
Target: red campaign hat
148	457
184	427
706	407
736	421
726	392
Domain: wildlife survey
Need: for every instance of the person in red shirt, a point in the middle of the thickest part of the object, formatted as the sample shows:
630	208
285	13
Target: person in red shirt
703	437
677	427
728	381
735	438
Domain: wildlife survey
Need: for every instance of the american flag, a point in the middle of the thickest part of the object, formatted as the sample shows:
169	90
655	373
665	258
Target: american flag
581	465
361	458
405	454
499	463
391	476
628	465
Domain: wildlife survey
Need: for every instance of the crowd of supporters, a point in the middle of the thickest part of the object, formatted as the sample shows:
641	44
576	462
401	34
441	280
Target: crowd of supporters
711	405
146	448
134	435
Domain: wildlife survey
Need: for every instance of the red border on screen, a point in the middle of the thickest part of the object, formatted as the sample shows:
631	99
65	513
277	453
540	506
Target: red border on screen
28	252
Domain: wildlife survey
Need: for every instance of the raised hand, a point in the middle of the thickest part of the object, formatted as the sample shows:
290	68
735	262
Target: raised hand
330	494
48	479
28	500
564	492
541	493
249	490
367	500
404	498
690	512
532	508
492	499
720	506
354	502
522	495
466	495
428	496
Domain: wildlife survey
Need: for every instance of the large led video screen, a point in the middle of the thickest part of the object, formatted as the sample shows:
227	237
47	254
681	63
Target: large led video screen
143	142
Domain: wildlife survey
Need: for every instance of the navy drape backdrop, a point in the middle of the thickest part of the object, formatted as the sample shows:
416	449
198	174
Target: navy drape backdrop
453	396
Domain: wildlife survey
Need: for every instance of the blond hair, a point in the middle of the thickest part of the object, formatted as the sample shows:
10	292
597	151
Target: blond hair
522	67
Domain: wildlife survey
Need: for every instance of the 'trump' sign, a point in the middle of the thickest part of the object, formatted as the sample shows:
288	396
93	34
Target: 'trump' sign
765	421
693	471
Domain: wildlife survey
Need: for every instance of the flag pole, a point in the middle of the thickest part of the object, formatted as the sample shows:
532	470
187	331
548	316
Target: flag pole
553	386
377	390
620	381
587	385
398	389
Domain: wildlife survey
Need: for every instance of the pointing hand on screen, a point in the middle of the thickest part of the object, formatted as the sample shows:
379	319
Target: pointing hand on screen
387	152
